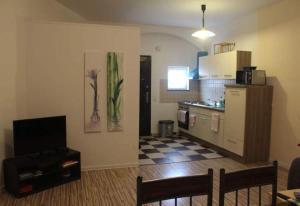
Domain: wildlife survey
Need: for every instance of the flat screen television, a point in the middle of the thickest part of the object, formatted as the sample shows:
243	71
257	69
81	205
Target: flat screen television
38	135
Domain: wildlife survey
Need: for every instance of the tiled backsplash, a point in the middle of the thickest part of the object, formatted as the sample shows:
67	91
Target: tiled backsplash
200	90
213	89
167	96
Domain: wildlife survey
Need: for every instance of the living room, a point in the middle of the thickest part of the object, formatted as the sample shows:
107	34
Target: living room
44	48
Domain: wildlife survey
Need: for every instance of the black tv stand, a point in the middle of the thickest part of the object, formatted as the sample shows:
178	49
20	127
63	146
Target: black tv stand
24	175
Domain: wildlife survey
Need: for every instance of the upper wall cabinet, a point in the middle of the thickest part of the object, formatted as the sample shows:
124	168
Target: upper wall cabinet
224	65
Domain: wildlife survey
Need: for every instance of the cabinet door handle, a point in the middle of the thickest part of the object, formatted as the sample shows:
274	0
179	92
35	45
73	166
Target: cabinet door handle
214	76
147	97
203	76
203	118
235	92
231	141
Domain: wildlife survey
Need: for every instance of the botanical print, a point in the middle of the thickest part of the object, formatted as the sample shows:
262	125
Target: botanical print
114	91
93	75
93	65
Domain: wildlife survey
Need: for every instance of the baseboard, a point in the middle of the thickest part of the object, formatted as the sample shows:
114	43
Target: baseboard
112	166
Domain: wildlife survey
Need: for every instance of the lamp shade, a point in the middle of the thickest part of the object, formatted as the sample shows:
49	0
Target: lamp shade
203	34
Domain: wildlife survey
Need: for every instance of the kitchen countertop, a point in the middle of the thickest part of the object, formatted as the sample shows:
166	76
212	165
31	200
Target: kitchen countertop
244	85
219	109
236	85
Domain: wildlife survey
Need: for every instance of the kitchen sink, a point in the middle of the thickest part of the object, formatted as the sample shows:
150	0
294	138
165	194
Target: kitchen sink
202	104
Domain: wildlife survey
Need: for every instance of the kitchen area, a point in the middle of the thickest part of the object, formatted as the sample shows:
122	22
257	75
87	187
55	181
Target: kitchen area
233	112
217	102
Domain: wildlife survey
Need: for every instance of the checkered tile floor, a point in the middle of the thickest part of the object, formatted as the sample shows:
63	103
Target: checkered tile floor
158	150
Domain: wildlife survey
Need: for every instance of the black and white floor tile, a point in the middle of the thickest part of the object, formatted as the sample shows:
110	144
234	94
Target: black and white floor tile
160	150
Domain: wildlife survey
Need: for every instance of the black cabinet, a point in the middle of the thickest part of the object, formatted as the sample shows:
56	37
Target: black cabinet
25	175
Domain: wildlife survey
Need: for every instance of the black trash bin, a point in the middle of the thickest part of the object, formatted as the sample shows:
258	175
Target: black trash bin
166	128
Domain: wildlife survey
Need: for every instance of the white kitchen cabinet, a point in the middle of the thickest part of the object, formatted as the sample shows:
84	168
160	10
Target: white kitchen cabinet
202	127
234	145
234	131
247	121
245	126
194	130
206	133
203	124
217	138
223	65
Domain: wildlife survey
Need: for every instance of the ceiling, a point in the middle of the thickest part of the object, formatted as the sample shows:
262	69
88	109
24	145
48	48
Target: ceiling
179	13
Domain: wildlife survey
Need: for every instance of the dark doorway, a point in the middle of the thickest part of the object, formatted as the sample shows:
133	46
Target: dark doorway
145	95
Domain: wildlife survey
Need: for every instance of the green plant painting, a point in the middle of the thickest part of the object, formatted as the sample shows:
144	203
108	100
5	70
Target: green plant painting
114	91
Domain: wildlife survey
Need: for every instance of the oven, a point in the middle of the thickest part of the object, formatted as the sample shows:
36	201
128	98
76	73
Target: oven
183	116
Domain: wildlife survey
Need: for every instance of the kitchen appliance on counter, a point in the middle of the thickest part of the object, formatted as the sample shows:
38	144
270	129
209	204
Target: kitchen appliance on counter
249	75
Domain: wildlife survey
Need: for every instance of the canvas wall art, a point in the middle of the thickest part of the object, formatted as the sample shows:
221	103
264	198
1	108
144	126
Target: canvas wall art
93	65
115	85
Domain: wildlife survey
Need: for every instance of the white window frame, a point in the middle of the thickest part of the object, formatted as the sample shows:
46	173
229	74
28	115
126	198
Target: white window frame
186	71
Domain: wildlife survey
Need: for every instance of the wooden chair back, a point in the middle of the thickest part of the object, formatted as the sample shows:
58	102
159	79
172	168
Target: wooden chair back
173	188
245	179
294	175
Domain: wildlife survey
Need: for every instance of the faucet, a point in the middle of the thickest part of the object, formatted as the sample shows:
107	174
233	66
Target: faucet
212	102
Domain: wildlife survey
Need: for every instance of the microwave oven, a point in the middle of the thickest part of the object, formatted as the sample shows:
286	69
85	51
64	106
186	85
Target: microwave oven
253	77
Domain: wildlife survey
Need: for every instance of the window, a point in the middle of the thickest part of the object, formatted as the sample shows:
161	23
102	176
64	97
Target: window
178	78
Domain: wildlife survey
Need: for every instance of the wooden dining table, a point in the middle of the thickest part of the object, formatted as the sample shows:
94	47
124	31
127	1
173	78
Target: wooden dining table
286	194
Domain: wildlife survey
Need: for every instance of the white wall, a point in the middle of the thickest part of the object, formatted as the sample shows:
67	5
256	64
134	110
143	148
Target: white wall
278	53
182	33
55	86
273	37
12	12
173	51
242	31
